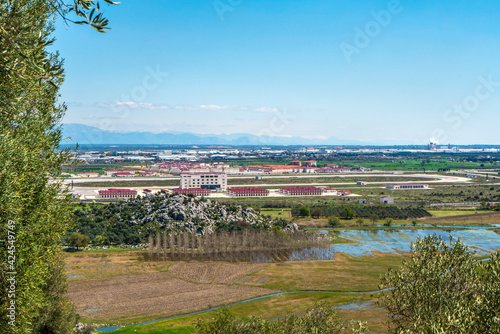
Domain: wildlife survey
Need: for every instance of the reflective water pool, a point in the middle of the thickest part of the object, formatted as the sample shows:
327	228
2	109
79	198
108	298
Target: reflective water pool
483	241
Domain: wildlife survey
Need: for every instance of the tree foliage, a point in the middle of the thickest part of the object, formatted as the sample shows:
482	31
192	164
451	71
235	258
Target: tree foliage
368	211
442	288
33	211
304	211
78	240
333	221
322	318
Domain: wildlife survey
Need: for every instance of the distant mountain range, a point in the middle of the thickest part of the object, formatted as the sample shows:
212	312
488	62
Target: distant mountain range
81	134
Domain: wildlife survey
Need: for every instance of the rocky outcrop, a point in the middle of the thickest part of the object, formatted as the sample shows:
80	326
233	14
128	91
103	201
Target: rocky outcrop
180	213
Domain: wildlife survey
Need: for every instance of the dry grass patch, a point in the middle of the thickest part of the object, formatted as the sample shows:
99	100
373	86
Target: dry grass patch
150	296
214	272
194	272
471	219
94	264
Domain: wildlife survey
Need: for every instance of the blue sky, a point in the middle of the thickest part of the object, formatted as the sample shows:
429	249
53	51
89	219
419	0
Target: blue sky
367	70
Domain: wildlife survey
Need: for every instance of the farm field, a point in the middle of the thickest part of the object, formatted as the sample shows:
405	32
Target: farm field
143	297
103	292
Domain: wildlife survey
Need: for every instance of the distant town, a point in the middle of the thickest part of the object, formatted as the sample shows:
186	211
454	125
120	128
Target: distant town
311	171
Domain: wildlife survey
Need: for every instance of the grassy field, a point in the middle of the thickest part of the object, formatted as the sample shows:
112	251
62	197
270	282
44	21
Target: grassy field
133	183
416	164
277	213
445	213
345	273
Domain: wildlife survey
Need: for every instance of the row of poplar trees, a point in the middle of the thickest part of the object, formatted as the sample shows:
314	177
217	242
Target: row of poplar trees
241	246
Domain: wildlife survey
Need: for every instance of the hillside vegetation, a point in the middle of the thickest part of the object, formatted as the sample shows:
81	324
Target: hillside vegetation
132	221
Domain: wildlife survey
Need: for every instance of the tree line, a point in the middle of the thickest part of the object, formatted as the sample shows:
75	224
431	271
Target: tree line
235	246
360	211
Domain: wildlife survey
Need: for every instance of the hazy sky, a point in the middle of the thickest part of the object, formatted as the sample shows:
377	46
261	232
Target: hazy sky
366	70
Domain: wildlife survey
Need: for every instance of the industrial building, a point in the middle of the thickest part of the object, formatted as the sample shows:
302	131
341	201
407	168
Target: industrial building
117	193
204	180
407	186
247	192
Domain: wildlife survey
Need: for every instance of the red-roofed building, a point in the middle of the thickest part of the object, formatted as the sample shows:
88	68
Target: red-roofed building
309	163
408	186
88	175
344	192
193	191
110	172
123	174
247	192
117	193
147	173
301	191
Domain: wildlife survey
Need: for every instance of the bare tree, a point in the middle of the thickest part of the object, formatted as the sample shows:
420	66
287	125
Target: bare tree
158	246
165	243
150	247
186	245
172	246
179	246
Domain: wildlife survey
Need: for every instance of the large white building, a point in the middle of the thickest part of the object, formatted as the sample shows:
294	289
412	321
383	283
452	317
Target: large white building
204	180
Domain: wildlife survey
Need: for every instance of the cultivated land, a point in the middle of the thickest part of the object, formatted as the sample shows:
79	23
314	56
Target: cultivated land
127	288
